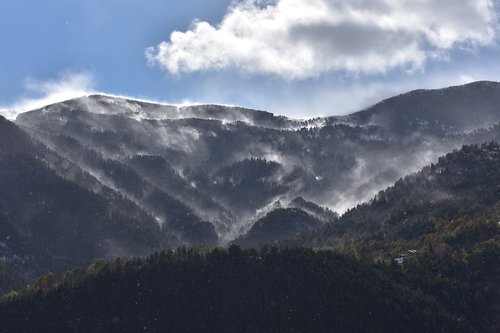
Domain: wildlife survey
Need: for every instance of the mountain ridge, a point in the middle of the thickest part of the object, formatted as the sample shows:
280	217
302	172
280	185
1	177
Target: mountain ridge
363	112
467	99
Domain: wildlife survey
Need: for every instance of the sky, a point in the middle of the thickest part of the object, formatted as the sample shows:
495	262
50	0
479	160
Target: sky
298	58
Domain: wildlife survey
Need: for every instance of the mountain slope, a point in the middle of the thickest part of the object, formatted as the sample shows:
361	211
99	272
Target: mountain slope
48	222
451	206
174	215
446	218
227	164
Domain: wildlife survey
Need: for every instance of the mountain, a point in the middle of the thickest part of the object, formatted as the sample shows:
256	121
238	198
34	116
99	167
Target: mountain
106	177
101	176
222	167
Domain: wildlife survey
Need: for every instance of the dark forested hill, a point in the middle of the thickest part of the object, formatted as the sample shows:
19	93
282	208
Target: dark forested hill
278	224
234	290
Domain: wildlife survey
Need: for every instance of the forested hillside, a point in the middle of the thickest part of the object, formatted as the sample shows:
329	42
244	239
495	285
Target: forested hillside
448	208
48	222
246	291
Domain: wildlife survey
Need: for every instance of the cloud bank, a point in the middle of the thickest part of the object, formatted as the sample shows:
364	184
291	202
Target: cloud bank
41	93
299	39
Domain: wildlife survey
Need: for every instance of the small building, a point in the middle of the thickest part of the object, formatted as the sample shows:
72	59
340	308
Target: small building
404	256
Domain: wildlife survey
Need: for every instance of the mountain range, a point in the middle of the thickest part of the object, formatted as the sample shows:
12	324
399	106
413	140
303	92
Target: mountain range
105	177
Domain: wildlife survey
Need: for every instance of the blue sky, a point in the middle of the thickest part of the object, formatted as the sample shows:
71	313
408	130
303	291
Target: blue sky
293	57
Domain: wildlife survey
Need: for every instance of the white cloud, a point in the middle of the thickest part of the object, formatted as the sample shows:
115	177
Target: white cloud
465	78
41	93
298	39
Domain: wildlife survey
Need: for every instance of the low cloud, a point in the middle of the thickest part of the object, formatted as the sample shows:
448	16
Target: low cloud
41	93
298	39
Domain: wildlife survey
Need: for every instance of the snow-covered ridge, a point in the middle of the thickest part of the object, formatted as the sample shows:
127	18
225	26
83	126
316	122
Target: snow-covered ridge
143	110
